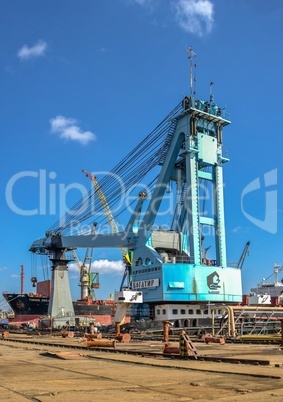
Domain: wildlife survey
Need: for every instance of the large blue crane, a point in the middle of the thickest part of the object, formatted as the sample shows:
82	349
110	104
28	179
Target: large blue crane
167	262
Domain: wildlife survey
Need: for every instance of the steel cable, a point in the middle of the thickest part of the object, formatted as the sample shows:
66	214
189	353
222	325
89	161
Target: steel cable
130	171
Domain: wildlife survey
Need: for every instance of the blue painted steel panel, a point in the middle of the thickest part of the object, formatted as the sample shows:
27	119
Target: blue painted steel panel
201	284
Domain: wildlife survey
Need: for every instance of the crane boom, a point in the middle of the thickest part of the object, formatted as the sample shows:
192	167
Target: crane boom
75	256
243	255
107	211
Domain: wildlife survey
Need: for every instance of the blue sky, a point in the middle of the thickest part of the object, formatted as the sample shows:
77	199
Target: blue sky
83	82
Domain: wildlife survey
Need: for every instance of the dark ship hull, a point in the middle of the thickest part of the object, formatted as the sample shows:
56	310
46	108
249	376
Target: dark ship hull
28	307
27	304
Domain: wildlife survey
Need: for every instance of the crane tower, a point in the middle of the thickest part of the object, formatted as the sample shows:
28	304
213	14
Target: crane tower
171	265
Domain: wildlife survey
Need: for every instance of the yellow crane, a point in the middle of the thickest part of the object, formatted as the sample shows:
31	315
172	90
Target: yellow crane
107	211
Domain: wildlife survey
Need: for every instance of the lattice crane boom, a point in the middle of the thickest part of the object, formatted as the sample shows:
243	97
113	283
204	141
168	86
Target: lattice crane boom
243	255
107	211
75	256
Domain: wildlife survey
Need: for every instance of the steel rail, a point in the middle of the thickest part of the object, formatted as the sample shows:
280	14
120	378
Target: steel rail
216	359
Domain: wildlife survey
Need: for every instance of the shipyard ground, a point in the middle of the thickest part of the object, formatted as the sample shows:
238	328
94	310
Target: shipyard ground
36	371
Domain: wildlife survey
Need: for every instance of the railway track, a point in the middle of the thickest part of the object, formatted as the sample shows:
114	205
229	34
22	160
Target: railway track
138	350
269	339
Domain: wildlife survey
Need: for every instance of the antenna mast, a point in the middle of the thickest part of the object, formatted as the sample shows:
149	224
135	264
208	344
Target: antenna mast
192	79
211	97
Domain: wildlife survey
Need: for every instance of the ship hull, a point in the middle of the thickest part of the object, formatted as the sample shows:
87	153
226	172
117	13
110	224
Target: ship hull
102	311
28	307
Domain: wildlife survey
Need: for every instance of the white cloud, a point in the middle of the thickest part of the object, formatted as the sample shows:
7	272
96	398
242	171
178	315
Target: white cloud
237	229
143	2
195	16
240	229
102	266
107	267
149	5
68	129
36	50
9	69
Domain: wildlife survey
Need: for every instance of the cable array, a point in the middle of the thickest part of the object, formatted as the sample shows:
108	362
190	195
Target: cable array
128	173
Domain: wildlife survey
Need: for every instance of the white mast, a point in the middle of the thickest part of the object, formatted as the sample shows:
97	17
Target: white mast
192	78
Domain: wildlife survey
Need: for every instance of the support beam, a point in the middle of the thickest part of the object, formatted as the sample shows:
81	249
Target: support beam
60	303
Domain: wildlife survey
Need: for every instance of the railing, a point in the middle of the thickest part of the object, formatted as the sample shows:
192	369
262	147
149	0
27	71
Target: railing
238	321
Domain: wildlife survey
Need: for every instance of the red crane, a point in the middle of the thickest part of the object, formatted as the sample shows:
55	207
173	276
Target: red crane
22	279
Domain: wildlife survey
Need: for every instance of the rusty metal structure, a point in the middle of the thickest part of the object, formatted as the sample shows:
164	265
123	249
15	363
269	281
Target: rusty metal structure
247	321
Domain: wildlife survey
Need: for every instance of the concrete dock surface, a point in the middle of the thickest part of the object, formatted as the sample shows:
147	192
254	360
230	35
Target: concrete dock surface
45	369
